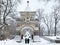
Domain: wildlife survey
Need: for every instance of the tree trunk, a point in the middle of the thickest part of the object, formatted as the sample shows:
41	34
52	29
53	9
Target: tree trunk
55	27
48	32
39	30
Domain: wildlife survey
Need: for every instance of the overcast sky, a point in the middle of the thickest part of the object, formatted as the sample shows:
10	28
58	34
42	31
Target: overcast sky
35	4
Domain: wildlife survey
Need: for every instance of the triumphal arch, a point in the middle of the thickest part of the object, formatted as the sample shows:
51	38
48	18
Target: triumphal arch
28	22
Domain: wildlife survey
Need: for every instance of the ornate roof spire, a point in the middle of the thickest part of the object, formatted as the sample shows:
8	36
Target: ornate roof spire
27	8
27	3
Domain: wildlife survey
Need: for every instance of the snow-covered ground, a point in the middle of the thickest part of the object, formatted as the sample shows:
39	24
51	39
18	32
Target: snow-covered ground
53	37
17	38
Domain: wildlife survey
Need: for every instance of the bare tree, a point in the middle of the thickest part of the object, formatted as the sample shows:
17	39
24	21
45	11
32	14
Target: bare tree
47	19
56	17
7	7
39	15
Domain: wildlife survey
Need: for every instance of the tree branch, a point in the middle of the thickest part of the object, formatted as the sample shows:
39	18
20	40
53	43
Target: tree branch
4	17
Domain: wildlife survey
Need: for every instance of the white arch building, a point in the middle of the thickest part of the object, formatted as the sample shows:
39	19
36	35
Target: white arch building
28	22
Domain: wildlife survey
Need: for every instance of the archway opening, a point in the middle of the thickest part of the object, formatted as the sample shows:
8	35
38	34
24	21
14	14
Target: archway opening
28	32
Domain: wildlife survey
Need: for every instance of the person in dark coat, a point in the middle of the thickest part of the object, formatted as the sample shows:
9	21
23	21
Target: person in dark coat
32	36
21	36
28	40
25	40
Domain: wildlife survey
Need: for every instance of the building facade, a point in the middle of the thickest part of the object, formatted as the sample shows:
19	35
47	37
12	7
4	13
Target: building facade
28	22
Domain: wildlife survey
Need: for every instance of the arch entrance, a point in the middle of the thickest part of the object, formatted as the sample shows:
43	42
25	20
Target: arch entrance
27	32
